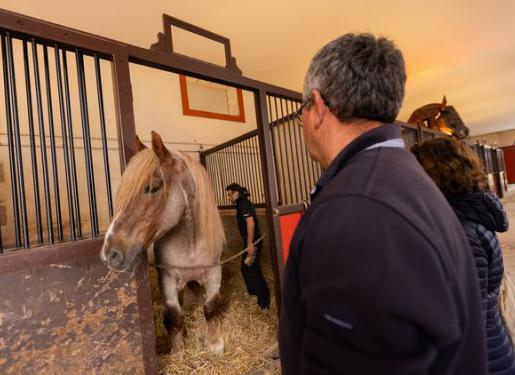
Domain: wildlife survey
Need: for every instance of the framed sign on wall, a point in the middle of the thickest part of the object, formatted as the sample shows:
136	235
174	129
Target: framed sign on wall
211	100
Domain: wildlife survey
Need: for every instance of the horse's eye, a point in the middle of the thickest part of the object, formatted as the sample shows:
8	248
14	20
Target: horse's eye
151	188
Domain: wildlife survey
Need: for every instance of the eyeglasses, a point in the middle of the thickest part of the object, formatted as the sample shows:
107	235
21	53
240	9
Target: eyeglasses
307	103
298	114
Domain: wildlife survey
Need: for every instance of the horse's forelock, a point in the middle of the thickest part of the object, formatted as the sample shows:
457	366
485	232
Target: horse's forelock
138	173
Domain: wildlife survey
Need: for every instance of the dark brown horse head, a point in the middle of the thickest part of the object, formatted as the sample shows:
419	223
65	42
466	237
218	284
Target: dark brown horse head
450	119
151	200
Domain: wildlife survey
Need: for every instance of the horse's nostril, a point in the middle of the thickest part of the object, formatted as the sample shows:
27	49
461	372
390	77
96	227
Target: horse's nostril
115	257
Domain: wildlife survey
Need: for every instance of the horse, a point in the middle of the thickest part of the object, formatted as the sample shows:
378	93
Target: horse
165	198
440	117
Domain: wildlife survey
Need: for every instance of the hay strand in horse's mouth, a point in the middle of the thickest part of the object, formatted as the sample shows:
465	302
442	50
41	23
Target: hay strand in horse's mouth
249	332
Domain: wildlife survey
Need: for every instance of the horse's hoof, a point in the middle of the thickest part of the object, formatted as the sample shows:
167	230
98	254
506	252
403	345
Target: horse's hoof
177	345
217	346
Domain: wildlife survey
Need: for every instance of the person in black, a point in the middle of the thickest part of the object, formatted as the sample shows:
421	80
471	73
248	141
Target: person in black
249	229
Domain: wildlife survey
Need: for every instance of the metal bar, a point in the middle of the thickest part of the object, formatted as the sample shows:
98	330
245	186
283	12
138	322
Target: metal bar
265	143
275	155
241	165
248	164
65	143
75	185
283	199
218	168
253	168
100	93
221	166
303	157
32	138
257	165
53	153
10	145
42	140
14	131
87	143
225	145
293	148
296	175
290	172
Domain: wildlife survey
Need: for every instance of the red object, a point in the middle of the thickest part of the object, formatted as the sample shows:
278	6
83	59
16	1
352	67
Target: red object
288	223
509	162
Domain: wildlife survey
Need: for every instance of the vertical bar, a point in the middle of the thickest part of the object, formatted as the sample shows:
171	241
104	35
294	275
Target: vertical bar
275	156
257	164
11	146
42	139
32	140
53	153
265	143
218	167
244	166
100	93
290	173
297	176
248	163
17	137
64	134
284	199
75	187
302	147
222	167
87	143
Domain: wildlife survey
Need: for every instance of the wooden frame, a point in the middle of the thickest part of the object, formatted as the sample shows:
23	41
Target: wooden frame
188	111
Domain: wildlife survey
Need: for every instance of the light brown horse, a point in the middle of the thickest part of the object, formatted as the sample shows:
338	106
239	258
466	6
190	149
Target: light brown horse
166	198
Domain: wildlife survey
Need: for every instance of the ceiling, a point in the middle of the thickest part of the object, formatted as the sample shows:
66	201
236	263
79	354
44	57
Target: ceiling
463	49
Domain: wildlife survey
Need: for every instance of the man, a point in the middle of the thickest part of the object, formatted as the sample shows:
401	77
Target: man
380	278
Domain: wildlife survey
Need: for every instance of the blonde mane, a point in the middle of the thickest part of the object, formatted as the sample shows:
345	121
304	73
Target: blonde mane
139	172
208	223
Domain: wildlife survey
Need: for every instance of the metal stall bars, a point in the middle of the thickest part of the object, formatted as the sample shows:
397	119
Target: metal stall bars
51	181
236	161
35	72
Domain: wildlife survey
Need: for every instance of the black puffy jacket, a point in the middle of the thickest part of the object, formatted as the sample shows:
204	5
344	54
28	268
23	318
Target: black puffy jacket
482	215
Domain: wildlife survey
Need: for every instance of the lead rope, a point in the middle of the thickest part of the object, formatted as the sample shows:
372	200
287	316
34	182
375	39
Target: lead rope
219	263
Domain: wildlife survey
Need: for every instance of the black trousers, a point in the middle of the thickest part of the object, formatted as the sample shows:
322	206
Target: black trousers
254	280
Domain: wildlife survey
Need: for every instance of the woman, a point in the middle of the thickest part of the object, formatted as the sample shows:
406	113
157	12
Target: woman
457	171
249	231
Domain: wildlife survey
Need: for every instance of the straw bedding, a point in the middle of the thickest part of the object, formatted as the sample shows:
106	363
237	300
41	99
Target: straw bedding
250	334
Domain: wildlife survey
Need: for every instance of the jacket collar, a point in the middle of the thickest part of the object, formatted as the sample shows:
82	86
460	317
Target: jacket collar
378	135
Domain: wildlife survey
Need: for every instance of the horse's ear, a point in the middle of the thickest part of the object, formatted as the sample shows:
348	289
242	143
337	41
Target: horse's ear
159	148
139	145
444	103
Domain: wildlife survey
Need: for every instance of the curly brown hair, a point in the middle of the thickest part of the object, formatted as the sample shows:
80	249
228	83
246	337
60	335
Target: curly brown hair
452	165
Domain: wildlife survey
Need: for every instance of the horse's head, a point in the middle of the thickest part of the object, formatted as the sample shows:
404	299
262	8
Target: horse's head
152	198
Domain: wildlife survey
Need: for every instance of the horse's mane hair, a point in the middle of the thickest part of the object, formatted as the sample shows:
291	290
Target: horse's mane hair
208	224
137	174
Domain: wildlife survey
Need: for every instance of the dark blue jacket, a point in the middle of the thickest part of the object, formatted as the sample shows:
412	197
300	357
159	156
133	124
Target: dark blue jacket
482	215
380	278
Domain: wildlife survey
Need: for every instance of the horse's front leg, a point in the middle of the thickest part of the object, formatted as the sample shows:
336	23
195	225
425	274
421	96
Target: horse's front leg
173	317
212	312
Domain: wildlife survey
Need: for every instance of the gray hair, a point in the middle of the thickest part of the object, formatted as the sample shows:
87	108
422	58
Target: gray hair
359	77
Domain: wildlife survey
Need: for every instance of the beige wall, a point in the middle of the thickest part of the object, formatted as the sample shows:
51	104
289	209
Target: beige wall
499	139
